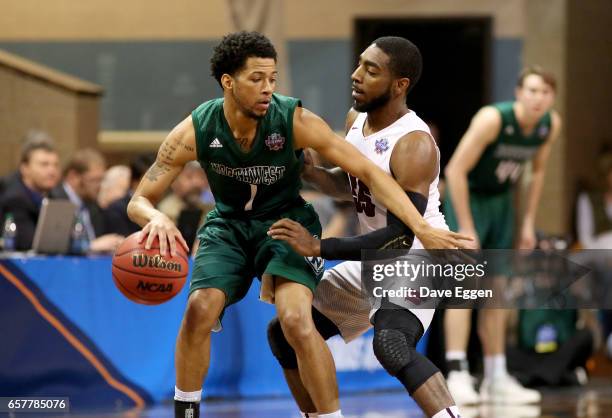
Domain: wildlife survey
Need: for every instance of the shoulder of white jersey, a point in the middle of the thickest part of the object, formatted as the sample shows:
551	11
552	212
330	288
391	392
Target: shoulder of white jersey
417	124
358	122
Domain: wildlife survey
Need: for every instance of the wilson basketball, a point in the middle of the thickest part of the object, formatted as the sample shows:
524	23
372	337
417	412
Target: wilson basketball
144	276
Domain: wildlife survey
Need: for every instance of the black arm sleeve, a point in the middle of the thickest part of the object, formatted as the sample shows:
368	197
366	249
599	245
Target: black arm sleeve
395	235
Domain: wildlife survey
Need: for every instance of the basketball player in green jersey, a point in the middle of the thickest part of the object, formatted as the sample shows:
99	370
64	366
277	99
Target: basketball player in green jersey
250	144
481	177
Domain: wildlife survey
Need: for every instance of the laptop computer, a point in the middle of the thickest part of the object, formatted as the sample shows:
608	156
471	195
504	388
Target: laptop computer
54	227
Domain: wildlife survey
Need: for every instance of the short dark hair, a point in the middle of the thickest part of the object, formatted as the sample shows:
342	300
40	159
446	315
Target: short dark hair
547	76
234	49
83	159
140	164
404	58
35	140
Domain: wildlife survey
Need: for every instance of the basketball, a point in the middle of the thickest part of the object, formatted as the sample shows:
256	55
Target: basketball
144	276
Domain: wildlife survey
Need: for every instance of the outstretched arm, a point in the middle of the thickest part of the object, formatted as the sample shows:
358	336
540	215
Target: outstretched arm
482	131
312	131
527	238
414	164
177	149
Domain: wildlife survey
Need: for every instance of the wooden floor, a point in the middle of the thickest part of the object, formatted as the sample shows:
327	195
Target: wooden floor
591	401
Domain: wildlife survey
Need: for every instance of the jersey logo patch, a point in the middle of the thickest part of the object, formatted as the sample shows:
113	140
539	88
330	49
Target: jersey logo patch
381	145
543	131
509	130
275	142
215	144
316	263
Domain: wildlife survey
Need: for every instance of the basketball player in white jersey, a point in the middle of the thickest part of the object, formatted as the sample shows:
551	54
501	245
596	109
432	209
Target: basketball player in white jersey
382	127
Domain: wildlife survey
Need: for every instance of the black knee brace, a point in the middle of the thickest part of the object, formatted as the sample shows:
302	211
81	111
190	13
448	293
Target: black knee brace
396	333
281	348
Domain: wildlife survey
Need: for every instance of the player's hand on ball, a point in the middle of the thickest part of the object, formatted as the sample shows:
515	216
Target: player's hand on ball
441	239
162	227
297	236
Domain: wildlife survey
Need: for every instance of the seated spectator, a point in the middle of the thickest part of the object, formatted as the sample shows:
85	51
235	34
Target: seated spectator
39	173
82	179
554	346
31	138
115	185
116	213
184	205
7	181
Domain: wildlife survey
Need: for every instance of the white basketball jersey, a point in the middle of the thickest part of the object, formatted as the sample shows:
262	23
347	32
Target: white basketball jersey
378	148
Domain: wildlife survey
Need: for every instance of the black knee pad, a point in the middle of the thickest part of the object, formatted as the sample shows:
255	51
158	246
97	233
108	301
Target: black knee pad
280	347
396	333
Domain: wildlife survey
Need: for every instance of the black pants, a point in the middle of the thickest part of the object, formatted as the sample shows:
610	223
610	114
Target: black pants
553	369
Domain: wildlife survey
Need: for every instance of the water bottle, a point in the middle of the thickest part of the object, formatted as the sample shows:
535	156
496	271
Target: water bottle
9	233
79	244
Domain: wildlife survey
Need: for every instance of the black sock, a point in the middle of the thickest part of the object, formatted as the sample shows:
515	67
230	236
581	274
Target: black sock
186	409
457	365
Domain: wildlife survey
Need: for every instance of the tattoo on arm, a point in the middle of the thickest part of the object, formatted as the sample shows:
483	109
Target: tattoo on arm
156	170
188	147
167	152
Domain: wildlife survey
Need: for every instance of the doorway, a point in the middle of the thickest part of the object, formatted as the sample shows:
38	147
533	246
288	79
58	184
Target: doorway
456	68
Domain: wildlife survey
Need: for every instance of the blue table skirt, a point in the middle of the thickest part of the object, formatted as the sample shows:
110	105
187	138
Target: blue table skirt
66	330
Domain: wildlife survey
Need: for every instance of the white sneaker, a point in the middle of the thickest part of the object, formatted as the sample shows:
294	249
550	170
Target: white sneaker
581	376
507	390
461	386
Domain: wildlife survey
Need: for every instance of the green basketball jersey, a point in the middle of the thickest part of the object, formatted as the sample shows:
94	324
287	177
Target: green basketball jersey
501	163
256	183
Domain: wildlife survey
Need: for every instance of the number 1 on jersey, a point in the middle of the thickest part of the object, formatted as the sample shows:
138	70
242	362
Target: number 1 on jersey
249	204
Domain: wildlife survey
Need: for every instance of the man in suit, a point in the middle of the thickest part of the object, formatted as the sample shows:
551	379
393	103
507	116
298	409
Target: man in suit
116	213
39	173
82	178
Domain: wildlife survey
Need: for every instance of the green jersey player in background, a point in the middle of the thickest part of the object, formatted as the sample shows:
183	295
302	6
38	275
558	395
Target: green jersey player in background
481	177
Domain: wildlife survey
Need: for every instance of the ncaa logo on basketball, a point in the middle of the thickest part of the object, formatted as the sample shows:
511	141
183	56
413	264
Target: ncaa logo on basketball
275	142
381	145
154	287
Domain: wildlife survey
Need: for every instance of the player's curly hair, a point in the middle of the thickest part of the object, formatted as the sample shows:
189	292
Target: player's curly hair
404	58
234	49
